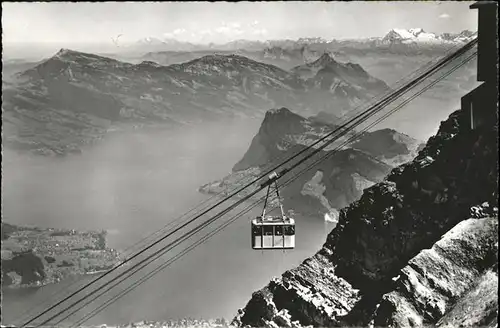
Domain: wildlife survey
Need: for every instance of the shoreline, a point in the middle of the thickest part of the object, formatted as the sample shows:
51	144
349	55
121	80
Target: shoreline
34	257
48	283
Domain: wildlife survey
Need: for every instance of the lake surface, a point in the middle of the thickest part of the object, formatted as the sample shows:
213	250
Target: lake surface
131	184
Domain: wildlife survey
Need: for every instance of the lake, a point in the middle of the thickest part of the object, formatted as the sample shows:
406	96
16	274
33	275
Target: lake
131	184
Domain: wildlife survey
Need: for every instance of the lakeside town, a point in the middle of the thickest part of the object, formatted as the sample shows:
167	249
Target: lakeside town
33	256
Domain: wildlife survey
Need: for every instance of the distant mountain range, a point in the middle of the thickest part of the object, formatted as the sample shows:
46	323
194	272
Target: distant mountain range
332	184
82	94
418	35
397	35
156	44
287	54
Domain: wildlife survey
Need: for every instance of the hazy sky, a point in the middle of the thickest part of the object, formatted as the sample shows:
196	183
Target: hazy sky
66	22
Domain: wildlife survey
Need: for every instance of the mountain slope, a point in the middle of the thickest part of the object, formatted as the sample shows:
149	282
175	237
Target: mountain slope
334	183
379	246
280	130
83	95
388	145
347	82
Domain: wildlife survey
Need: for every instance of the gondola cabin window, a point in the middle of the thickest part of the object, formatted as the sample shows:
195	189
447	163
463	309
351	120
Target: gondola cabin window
290	230
268	230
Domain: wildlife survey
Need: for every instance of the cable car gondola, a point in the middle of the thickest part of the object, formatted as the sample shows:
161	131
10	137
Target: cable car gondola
273	232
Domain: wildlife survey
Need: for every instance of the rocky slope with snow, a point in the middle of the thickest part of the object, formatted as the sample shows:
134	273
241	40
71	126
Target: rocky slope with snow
329	185
419	36
416	249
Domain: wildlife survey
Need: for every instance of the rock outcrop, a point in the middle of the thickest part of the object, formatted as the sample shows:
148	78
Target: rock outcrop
427	288
333	183
414	250
389	146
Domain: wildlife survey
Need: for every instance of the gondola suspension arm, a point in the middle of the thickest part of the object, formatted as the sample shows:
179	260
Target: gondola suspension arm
273	178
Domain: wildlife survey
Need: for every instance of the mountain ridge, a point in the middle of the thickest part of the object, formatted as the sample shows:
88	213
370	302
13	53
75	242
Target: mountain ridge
87	92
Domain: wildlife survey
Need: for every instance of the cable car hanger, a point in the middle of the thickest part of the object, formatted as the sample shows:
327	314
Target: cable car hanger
273	178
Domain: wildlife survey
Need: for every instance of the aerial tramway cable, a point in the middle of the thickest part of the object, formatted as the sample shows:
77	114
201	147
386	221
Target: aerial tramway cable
234	218
153	272
244	187
409	99
437	66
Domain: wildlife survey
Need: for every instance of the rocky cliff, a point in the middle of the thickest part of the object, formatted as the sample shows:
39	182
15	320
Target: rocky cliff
388	145
415	250
426	290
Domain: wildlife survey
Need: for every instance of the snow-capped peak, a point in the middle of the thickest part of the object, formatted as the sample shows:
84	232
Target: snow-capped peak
411	33
418	35
416	31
